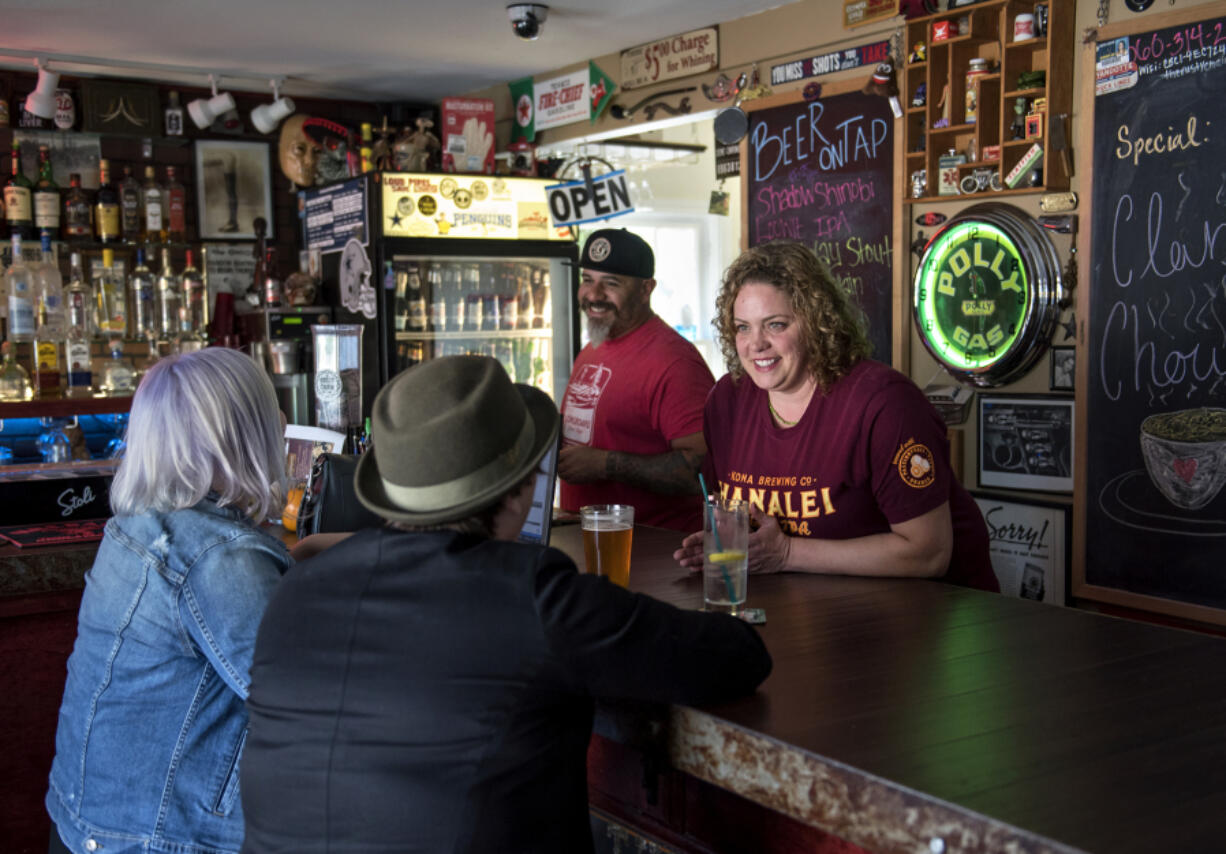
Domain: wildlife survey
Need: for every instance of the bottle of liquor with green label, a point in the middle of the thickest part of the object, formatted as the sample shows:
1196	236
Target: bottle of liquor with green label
46	197
18	198
78	301
111	309
78	218
106	206
153	210
49	322
130	207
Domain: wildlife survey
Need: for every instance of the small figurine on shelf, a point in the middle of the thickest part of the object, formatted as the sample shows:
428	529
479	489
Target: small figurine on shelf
381	151
921	95
919	53
1017	129
943	106
416	151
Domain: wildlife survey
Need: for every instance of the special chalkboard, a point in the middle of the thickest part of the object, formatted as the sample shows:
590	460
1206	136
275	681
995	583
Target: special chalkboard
822	172
1155	393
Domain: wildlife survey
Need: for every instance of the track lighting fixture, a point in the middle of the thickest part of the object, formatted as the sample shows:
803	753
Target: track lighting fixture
41	102
204	111
266	117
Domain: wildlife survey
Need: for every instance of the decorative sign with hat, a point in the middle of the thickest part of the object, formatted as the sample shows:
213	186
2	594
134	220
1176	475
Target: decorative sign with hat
583	201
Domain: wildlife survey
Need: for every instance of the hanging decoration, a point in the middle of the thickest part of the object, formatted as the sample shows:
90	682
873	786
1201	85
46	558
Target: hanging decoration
602	87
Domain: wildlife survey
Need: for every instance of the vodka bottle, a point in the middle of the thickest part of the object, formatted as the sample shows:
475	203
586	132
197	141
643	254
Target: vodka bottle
78	301
19	284
141	298
169	300
49	322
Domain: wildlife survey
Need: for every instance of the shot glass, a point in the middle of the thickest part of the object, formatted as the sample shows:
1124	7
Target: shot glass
608	531
725	554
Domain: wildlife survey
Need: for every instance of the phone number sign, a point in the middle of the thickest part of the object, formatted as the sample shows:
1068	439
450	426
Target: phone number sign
676	56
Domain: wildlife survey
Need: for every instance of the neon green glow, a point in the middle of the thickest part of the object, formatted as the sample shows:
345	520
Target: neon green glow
974	296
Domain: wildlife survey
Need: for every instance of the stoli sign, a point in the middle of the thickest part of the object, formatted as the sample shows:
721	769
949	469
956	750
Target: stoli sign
676	56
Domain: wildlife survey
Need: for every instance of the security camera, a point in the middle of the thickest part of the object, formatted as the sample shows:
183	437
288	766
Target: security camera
527	19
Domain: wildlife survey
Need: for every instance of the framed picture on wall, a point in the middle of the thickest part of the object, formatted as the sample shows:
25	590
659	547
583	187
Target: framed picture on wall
234	186
1030	546
1026	442
1063	368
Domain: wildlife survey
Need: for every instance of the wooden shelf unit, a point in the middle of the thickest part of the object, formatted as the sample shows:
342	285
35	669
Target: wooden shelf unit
991	38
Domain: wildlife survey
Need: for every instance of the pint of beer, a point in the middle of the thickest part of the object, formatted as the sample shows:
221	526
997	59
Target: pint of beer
608	530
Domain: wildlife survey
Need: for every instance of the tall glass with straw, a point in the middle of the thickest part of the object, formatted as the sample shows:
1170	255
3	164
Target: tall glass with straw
725	552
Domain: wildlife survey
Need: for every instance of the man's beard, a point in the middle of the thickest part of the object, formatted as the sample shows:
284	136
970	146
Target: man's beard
598	328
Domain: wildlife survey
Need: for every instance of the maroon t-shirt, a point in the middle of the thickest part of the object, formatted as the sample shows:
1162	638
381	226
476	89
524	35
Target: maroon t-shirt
870	453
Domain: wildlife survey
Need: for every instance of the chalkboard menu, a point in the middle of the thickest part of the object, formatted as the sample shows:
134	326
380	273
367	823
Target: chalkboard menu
1155	394
822	172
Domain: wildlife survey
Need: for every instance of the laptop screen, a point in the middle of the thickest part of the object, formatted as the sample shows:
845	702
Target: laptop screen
536	526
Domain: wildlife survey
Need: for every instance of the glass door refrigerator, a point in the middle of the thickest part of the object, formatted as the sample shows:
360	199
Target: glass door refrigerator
459	264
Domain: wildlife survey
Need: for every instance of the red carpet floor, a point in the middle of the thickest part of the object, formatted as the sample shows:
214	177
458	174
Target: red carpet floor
34	652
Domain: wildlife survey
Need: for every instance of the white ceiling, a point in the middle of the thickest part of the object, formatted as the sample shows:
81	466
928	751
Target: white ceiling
364	49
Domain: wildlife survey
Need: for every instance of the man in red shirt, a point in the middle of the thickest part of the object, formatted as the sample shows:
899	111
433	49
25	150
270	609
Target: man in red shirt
632	413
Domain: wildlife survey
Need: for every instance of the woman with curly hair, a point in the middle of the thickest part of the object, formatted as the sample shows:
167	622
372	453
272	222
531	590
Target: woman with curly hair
844	462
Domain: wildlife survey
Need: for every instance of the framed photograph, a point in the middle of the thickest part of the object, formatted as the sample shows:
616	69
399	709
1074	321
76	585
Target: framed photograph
1026	442
1063	364
234	186
1034	126
1030	546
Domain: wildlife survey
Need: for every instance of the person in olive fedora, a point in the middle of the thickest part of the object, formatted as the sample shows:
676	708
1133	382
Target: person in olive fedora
430	683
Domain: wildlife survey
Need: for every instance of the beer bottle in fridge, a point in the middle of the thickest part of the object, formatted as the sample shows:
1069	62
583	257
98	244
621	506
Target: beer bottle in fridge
438	305
400	306
416	297
490	308
453	290
523	294
473	302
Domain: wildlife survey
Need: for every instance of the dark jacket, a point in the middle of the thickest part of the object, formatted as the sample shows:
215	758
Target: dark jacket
434	692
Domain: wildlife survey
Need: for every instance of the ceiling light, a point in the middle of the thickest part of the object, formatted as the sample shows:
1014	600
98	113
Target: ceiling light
204	111
266	117
41	102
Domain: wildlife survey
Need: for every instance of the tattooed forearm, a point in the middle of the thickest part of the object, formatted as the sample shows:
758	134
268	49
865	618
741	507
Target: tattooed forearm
672	473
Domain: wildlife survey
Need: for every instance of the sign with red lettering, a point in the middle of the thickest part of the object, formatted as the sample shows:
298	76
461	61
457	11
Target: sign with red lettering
676	56
563	100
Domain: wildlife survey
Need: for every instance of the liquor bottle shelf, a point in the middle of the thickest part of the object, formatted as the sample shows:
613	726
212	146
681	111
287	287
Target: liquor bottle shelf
467	335
65	407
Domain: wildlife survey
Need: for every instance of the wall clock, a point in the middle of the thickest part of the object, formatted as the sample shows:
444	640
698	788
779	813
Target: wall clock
987	294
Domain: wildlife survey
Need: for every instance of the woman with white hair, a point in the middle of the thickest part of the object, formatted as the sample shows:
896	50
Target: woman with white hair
153	722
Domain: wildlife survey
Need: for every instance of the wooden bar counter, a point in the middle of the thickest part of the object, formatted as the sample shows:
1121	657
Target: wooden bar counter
915	716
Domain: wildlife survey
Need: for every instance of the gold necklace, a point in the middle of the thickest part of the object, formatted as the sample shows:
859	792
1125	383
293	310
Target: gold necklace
782	420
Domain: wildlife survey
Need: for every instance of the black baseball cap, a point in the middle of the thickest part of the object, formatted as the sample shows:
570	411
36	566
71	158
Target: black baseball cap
617	251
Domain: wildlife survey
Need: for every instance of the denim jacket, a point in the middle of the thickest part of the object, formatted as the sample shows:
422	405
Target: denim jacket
153	722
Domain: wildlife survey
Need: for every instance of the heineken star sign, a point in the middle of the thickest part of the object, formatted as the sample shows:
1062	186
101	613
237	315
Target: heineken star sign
577	202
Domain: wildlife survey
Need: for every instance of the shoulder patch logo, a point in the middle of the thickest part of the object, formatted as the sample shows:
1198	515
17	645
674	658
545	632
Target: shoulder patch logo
916	465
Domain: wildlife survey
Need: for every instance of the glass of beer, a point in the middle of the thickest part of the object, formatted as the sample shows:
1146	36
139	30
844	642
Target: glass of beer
608	530
725	554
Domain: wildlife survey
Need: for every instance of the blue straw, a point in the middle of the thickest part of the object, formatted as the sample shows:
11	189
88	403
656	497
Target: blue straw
706	500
